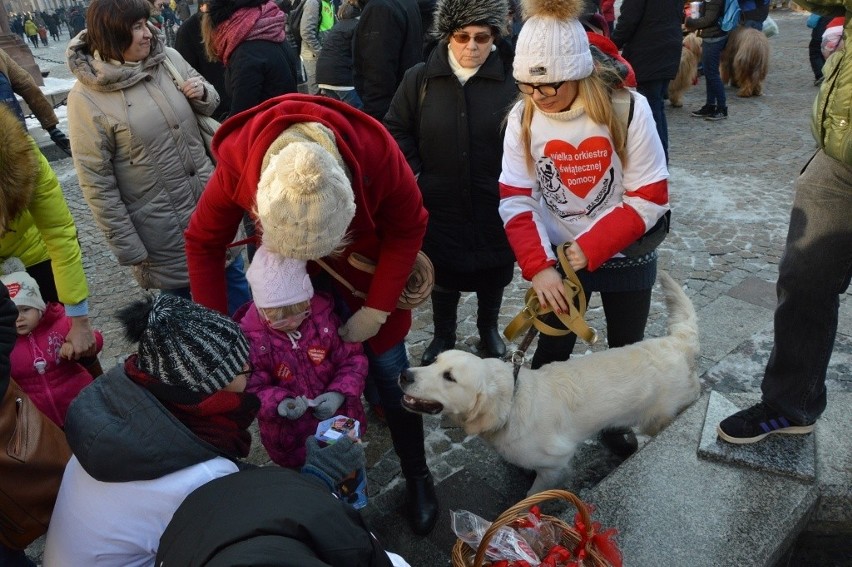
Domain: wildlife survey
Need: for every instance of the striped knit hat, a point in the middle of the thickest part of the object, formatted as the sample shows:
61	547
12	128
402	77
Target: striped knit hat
184	344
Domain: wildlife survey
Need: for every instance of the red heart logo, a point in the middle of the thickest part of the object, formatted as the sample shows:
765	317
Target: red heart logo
13	288
316	354
580	168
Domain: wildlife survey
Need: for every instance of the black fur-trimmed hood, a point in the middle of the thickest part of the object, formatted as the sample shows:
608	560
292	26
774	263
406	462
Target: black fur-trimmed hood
19	168
220	10
451	15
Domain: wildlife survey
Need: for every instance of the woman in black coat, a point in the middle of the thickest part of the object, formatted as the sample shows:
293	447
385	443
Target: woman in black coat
447	117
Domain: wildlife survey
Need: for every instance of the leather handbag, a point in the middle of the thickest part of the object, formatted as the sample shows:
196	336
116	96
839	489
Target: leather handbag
206	125
417	289
32	461
574	322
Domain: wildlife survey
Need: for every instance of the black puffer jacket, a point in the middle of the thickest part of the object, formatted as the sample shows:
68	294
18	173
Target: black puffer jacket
648	33
269	516
388	42
707	23
334	64
454	141
259	70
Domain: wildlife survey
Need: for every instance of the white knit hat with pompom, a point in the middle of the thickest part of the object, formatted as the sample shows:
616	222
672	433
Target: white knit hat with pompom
553	45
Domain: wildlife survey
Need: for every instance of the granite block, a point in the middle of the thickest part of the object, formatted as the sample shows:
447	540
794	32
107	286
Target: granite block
755	291
791	455
720	332
834	461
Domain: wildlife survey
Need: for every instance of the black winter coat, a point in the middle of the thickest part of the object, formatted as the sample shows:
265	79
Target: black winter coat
188	43
8	336
454	141
268	516
334	64
388	42
648	33
259	70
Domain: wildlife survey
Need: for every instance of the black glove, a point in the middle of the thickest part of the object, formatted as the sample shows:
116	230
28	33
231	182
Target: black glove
60	139
335	462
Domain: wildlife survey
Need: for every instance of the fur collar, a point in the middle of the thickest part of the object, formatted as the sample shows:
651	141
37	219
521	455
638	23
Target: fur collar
103	76
19	168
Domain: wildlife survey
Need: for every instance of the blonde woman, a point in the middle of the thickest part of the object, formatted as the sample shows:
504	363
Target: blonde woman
575	170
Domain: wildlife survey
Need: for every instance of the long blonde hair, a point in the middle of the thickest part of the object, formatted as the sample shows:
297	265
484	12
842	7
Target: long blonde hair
596	92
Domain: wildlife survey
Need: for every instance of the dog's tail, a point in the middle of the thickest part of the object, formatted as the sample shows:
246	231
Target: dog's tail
683	322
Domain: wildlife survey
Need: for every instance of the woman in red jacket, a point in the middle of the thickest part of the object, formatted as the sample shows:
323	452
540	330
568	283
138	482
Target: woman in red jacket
324	180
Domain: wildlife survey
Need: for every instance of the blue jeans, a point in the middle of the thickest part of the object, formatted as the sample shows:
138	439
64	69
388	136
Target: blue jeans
815	269
237	287
655	92
14	558
383	374
350	97
711	55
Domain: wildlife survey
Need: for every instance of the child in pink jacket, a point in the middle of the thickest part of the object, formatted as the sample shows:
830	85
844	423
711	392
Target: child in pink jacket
302	371
41	360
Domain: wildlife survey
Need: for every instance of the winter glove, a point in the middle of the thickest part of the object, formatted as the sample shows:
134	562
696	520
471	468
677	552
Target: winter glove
363	325
60	140
335	462
325	405
293	408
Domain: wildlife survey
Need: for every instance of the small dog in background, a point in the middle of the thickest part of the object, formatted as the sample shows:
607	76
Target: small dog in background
687	73
745	61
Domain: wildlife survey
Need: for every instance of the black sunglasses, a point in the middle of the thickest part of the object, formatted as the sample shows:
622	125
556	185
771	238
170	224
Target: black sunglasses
464	37
546	89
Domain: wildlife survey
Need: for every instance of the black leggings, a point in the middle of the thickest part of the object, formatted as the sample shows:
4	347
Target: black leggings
626	314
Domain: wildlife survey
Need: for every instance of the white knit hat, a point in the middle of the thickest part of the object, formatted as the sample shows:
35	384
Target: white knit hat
277	281
552	45
23	289
305	202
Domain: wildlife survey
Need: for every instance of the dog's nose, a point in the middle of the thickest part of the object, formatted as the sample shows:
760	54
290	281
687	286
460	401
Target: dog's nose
406	377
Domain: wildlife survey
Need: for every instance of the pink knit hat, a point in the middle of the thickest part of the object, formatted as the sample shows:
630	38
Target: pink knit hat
277	281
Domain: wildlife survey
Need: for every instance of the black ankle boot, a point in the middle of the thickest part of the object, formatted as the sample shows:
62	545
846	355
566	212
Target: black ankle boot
488	310
445	304
622	441
422	504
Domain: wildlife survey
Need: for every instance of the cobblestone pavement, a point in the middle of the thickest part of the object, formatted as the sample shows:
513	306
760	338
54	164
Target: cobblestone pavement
731	190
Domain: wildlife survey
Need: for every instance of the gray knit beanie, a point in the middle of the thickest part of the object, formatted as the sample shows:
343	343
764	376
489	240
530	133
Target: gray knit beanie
184	344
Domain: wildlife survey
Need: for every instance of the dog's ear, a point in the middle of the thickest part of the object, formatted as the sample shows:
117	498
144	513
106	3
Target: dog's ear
494	400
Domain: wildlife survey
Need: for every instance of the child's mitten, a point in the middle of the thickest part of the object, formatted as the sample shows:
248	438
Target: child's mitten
293	408
335	462
325	405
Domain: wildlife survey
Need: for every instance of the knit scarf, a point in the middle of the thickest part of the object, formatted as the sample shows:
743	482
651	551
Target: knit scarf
221	419
264	22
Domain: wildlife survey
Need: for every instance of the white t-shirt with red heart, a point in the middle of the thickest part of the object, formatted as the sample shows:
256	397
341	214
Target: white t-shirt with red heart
580	190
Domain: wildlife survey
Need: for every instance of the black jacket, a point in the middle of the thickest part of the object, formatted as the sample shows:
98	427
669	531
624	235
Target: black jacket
454	141
188	43
8	336
707	24
334	64
259	70
648	33
269	516
388	42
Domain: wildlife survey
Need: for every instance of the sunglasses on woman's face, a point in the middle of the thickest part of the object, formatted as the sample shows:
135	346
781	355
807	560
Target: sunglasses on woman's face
546	89
464	37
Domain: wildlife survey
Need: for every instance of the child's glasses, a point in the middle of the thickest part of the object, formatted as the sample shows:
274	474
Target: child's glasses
288	323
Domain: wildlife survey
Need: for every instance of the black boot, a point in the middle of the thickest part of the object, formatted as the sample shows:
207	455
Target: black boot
622	441
406	431
488	310
445	304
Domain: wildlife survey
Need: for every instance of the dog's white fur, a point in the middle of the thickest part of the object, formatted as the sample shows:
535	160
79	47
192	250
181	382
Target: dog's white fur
539	422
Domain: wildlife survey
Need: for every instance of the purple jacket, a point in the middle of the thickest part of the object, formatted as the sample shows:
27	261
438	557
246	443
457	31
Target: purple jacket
287	365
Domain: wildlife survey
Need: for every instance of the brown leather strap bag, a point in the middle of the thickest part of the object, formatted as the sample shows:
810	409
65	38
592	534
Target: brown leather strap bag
33	457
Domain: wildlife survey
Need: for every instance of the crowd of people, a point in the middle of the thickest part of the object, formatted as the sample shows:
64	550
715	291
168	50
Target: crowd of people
437	126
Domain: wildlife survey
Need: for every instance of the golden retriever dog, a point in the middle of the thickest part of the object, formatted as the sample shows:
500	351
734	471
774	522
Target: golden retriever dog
745	61
538	421
687	72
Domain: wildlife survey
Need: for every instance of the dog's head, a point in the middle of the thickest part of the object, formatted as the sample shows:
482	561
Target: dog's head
475	392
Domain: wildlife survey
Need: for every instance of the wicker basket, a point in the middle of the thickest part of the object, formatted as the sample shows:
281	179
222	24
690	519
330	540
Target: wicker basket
466	556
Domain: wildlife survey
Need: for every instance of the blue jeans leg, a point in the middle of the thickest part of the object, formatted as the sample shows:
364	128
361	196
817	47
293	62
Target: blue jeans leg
383	374
655	92
711	55
815	269
350	97
14	558
237	286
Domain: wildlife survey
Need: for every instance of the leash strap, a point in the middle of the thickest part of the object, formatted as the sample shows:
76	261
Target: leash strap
519	355
342	280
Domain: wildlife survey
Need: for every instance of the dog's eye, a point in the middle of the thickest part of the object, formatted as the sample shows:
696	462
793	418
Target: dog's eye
449	377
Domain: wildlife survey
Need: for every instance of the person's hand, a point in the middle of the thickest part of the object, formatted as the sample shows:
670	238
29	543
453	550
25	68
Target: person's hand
60	139
576	257
82	338
325	405
363	325
335	462
193	89
66	351
293	408
550	290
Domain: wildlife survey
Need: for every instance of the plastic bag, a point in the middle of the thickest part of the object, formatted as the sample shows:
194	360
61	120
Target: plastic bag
770	28
506	543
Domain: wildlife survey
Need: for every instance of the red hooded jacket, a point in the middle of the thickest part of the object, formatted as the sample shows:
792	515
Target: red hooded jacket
389	221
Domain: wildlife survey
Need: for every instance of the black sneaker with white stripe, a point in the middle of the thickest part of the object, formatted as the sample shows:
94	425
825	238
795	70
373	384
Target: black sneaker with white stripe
756	423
